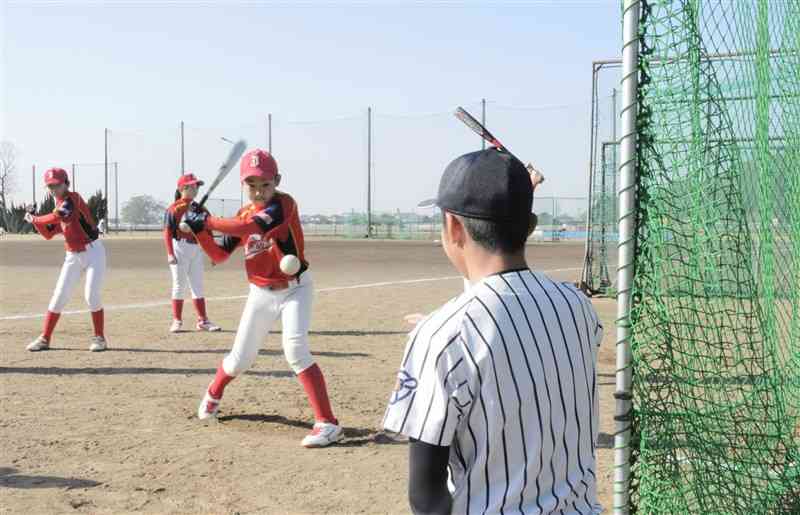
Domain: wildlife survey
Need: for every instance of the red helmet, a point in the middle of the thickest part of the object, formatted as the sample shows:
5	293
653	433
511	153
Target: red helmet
258	163
55	176
187	179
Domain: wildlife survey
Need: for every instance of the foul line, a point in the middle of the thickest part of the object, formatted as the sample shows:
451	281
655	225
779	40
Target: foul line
145	305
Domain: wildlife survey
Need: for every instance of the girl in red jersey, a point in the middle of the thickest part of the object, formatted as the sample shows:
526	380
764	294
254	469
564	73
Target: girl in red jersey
185	257
85	252
268	229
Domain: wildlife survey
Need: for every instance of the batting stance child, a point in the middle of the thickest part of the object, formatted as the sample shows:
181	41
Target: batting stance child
85	252
497	388
184	257
270	232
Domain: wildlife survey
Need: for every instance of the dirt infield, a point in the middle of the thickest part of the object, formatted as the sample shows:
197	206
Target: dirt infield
116	432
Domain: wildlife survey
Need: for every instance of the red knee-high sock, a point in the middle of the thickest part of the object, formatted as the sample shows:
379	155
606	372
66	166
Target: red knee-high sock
314	384
221	380
177	309
50	321
98	321
200	307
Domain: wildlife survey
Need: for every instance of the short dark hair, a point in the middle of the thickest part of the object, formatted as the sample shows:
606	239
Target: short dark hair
497	237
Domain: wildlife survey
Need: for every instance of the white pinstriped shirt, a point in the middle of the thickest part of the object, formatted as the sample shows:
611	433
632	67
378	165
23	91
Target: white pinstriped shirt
504	375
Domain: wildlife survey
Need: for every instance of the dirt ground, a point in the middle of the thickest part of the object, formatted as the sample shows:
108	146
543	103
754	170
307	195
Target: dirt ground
116	432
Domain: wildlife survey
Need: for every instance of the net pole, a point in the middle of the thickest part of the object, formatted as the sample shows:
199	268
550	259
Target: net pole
369	172
105	184
116	195
33	182
627	202
587	257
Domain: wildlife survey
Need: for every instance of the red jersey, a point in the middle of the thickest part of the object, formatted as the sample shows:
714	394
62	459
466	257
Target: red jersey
71	217
172	219
267	234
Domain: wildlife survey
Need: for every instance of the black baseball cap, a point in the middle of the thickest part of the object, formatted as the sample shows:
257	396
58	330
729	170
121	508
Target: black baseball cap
488	184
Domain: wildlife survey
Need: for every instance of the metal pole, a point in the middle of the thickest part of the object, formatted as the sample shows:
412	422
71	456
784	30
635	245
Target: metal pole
33	182
269	133
183	164
588	257
116	195
369	172
614	115
105	184
627	203
483	121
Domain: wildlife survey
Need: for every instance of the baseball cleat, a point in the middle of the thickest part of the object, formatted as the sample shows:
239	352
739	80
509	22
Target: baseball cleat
38	344
207	325
98	344
208	408
323	434
175	326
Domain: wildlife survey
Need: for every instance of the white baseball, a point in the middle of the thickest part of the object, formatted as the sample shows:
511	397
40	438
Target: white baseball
290	265
183	226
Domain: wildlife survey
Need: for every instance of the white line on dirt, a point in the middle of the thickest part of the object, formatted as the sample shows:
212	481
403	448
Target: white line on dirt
145	305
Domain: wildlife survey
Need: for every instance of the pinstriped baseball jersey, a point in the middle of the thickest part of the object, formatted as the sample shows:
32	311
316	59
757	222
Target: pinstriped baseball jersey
504	375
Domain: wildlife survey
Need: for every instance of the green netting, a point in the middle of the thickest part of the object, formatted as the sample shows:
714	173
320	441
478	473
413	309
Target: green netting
603	223
716	290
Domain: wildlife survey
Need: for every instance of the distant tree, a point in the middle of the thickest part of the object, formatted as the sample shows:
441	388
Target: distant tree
143	209
8	169
97	206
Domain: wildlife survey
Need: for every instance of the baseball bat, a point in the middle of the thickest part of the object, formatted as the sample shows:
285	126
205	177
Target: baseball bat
233	157
484	133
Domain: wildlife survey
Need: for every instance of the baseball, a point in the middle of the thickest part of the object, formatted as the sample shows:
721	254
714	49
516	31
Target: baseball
290	265
183	226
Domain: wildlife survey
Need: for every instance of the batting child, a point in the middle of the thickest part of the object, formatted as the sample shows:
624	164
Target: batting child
185	257
85	252
269	230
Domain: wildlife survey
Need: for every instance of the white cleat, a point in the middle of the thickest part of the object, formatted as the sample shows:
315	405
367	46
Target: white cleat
38	344
176	326
323	434
208	408
98	344
207	325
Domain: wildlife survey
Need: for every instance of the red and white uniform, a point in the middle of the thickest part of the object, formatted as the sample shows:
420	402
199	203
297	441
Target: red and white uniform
267	233
85	252
187	271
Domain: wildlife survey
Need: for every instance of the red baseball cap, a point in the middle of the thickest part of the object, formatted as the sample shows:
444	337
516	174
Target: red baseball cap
258	163
187	179
55	176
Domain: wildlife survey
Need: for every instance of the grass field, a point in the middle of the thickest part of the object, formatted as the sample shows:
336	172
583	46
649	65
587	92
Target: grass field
116	432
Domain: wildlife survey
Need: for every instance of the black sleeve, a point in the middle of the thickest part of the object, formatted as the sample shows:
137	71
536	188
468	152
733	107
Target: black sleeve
427	478
270	217
229	243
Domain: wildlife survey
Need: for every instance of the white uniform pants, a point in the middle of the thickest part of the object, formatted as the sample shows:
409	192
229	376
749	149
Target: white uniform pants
261	311
93	260
188	272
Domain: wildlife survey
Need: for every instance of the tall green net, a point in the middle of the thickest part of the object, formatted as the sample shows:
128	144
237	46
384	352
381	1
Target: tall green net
603	221
715	317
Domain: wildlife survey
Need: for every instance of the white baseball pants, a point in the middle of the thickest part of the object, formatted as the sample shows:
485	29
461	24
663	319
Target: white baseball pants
261	311
188	272
93	261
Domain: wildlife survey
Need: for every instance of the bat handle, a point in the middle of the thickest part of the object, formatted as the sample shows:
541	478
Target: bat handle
203	200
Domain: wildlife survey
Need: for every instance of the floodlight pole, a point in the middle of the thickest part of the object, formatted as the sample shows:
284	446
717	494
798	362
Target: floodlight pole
369	172
627	230
105	181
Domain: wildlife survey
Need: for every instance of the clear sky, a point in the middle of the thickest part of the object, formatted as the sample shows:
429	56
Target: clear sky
71	69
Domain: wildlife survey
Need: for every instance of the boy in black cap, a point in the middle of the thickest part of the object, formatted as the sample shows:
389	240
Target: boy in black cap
497	389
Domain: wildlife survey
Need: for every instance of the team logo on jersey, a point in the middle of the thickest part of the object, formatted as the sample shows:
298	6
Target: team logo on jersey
256	245
403	387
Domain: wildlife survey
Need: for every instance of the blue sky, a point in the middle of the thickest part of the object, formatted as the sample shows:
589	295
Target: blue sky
71	69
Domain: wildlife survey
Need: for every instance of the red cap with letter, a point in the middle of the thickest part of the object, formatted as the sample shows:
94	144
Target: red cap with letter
55	176
187	179
258	163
